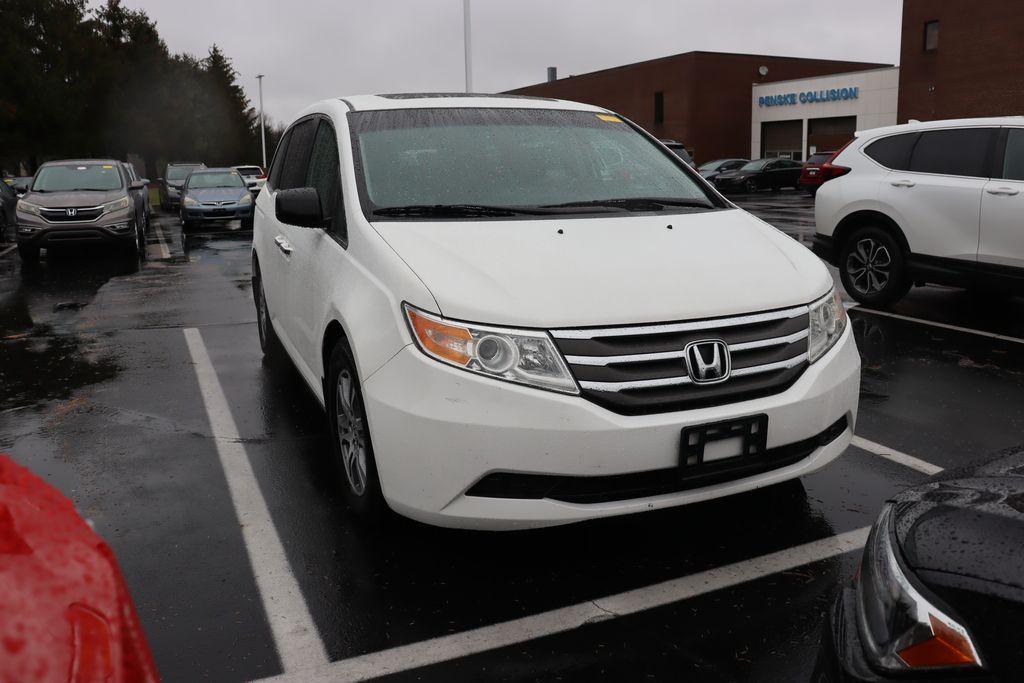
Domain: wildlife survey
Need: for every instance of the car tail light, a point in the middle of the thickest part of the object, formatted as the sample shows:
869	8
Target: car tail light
262	175
829	170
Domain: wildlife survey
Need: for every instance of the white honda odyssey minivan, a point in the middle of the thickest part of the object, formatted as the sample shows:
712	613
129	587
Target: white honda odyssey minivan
523	312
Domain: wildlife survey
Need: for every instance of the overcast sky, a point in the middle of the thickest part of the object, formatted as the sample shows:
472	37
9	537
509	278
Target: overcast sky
313	49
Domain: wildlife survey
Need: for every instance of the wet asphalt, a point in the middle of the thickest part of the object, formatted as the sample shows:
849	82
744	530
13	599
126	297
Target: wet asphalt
98	394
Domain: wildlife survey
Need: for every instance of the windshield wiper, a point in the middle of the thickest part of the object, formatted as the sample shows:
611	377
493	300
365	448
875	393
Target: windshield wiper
460	210
638	203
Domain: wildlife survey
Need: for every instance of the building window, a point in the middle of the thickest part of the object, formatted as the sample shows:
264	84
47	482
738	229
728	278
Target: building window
931	36
659	107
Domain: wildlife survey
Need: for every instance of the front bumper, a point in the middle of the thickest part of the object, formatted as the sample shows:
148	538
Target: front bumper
48	235
205	214
841	656
730	184
437	431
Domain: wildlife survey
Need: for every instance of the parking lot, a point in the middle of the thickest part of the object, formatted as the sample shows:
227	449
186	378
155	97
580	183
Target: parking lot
142	394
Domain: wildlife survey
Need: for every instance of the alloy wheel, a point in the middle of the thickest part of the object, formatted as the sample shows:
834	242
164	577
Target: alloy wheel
351	432
869	266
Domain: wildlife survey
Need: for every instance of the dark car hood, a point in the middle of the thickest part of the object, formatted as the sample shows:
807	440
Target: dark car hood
968	522
734	175
61	200
218	194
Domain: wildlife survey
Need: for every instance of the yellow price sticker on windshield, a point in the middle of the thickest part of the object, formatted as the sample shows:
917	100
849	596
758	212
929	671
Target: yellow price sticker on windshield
107	166
609	118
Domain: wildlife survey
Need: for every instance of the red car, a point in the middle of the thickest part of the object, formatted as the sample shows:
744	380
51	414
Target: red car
812	175
65	613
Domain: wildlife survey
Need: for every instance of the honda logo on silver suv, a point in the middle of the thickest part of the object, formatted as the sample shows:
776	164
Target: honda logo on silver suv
708	361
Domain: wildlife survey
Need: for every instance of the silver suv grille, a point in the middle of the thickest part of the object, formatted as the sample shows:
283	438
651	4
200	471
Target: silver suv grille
642	369
72	215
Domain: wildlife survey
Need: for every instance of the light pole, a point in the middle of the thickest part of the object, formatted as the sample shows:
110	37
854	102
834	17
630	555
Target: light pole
468	46
263	132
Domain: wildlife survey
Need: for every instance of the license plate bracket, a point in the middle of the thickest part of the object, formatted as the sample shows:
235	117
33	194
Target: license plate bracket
751	432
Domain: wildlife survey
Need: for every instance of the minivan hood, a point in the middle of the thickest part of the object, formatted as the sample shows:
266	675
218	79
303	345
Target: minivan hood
61	200
607	271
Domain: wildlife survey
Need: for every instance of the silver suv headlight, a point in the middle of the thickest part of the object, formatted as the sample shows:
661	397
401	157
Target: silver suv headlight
116	205
521	356
900	628
28	207
827	322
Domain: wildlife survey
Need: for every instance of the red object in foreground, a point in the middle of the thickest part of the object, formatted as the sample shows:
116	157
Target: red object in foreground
65	612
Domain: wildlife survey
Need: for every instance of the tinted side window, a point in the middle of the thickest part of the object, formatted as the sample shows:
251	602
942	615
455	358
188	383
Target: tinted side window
964	151
296	157
275	166
1013	161
894	151
323	175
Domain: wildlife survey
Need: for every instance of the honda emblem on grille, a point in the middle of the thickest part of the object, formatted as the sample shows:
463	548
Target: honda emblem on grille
72	212
707	361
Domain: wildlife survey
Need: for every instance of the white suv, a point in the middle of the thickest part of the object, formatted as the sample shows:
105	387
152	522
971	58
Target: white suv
524	312
936	202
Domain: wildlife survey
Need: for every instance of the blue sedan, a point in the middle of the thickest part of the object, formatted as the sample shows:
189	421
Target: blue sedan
215	194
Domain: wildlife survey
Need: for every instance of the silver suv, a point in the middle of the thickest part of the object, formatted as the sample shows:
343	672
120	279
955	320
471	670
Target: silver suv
81	201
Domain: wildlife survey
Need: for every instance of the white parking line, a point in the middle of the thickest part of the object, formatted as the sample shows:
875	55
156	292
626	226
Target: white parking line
955	328
896	456
295	635
165	253
552	622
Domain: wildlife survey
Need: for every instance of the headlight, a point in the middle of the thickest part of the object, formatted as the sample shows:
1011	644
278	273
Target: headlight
827	322
116	205
520	356
188	201
28	207
245	199
900	628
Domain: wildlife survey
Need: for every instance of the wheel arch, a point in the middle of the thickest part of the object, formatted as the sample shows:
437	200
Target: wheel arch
333	334
865	217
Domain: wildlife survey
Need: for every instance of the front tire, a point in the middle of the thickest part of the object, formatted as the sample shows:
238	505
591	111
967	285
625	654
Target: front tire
751	186
873	268
350	437
269	343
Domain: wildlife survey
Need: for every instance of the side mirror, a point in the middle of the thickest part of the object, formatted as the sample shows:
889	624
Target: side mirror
159	180
137	185
20	188
300	206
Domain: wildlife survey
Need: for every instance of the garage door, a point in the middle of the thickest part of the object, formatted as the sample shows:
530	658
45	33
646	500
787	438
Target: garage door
828	135
782	139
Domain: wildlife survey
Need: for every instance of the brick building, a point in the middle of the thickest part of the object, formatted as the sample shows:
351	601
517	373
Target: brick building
702	99
961	59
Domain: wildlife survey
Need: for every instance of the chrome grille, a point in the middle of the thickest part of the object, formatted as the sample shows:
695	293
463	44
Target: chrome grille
72	214
642	369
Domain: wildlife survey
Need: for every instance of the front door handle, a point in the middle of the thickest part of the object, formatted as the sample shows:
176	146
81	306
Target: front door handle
283	245
903	183
1008	191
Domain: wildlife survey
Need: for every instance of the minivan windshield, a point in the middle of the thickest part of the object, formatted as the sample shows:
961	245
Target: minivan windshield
208	179
78	177
500	162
